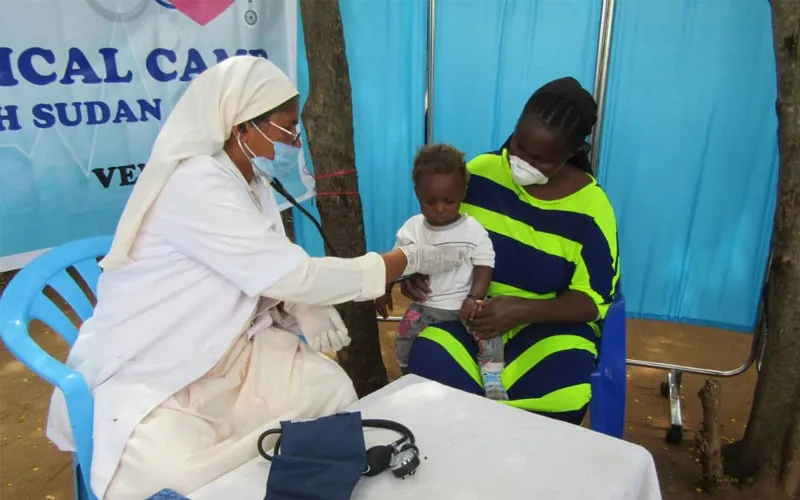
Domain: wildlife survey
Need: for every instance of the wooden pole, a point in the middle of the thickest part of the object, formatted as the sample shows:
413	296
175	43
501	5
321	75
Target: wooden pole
708	439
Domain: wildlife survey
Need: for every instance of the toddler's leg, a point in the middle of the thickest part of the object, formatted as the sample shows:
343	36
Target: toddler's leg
413	322
417	318
490	357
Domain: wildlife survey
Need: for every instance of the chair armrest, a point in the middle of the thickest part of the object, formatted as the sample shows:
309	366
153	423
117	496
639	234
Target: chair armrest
80	403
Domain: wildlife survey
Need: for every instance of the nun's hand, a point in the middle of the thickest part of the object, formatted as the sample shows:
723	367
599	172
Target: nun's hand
321	326
429	260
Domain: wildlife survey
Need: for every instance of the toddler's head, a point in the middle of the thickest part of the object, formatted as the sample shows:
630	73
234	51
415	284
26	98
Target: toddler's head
440	182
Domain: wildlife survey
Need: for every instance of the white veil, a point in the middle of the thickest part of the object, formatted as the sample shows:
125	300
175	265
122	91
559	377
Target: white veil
234	91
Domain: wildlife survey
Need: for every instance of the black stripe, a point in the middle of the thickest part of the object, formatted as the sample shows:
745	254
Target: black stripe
532	334
571	417
556	371
529	268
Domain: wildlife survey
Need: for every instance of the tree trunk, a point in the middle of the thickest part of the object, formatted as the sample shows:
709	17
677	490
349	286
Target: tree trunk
708	440
770	450
328	121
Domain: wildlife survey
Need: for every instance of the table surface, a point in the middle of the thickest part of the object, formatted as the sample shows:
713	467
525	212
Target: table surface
474	448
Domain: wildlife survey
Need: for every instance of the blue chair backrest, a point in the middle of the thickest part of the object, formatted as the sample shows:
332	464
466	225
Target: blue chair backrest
24	301
609	381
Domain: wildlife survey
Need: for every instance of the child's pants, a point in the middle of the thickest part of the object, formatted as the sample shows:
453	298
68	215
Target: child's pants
418	317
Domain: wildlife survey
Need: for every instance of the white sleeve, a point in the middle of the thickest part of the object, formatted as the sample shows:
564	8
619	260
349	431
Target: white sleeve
484	251
208	214
406	235
211	217
332	281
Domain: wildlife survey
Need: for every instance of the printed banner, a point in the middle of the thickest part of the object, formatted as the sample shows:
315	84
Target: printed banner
84	88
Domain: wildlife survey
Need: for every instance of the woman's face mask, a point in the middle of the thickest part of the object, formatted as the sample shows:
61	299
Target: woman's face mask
536	154
526	174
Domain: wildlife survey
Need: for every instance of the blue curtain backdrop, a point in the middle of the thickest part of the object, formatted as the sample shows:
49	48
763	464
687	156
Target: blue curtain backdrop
689	156
689	146
386	44
492	55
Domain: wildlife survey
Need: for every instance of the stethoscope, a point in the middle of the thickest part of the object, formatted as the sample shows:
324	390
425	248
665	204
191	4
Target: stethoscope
276	184
250	15
278	187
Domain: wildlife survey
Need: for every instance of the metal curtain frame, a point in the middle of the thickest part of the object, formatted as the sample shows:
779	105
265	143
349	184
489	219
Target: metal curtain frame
601	76
431	55
671	387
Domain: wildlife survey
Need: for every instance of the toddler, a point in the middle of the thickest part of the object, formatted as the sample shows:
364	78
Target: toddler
440	183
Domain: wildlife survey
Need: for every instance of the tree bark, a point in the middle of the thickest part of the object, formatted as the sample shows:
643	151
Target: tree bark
708	440
328	121
771	445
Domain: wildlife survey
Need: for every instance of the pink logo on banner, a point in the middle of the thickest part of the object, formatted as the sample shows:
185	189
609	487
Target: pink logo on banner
202	11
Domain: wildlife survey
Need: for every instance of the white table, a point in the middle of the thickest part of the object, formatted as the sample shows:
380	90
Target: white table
473	448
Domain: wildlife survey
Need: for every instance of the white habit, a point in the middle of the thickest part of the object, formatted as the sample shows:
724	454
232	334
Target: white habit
185	354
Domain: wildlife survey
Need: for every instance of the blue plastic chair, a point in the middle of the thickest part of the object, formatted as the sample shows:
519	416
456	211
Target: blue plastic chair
24	301
609	381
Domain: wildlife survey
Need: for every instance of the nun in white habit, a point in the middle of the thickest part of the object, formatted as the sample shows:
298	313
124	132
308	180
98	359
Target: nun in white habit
188	353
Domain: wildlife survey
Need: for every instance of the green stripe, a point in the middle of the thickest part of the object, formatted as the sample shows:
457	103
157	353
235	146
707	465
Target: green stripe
455	349
581	276
496	169
564	399
539	351
501	289
552	244
569	398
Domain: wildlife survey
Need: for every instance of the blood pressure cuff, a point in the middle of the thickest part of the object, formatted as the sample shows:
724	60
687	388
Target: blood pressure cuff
320	459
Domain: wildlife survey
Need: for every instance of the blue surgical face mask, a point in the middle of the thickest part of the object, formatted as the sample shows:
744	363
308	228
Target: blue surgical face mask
285	166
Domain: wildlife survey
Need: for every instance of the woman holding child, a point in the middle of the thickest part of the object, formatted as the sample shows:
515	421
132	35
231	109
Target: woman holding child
556	267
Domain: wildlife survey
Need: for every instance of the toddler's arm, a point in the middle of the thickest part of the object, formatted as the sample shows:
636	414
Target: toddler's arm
483	265
481	277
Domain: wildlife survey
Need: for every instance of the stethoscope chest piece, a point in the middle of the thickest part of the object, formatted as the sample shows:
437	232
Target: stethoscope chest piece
250	15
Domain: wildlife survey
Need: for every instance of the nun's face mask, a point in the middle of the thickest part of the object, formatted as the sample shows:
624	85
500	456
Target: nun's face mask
285	163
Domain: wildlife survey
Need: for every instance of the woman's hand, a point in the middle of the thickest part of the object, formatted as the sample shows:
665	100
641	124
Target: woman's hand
497	316
416	287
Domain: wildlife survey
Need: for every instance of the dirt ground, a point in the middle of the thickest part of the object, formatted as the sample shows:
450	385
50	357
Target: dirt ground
33	469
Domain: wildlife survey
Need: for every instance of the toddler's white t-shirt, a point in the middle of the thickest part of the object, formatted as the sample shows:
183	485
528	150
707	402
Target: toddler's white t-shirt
450	289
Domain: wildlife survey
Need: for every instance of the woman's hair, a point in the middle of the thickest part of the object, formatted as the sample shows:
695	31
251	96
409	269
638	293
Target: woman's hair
439	159
565	105
266	116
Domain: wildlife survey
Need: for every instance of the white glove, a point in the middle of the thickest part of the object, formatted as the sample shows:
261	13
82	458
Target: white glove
321	326
430	260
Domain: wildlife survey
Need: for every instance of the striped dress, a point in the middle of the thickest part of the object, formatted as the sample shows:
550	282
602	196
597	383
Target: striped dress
542	248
